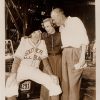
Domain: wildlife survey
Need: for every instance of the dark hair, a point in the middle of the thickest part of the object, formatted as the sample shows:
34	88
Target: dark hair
46	20
34	29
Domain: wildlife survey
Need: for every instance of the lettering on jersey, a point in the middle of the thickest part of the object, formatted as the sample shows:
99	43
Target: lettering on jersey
29	51
29	54
39	51
36	58
27	57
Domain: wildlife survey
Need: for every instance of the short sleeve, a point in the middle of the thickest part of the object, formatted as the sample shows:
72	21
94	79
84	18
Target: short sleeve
20	50
44	49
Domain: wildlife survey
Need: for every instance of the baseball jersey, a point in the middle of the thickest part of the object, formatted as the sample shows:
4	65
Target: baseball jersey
31	54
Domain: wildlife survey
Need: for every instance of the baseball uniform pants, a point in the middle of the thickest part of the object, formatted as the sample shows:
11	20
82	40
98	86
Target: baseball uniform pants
34	74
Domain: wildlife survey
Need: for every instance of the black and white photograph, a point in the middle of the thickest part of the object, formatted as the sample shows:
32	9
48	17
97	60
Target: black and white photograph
49	50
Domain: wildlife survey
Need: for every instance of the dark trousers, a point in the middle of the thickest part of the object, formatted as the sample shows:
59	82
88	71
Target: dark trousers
56	64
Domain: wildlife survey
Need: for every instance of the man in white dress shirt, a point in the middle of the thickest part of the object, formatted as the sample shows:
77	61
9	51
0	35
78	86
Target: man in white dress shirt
28	55
74	41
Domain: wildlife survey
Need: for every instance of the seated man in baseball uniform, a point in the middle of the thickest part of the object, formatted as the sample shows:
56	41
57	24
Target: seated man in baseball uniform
28	55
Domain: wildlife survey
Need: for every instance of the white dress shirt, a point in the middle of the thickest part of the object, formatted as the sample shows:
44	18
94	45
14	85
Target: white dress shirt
73	33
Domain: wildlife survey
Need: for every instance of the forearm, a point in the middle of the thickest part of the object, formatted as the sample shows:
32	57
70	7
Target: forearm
15	65
47	66
49	71
82	55
81	63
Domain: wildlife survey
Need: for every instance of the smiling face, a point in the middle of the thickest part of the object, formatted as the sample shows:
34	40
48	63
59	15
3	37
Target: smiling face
48	27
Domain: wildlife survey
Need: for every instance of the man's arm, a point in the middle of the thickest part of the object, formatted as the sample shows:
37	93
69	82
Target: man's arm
47	66
82	56
49	70
13	73
81	62
15	65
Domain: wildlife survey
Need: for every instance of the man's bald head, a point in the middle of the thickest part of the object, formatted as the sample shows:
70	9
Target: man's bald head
57	11
57	16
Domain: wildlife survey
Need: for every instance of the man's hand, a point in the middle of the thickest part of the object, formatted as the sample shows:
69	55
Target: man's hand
55	79
11	79
81	64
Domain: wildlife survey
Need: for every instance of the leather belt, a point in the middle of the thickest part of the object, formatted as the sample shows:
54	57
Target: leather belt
54	54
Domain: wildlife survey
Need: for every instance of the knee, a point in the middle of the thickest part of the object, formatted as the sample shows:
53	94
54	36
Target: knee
55	90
